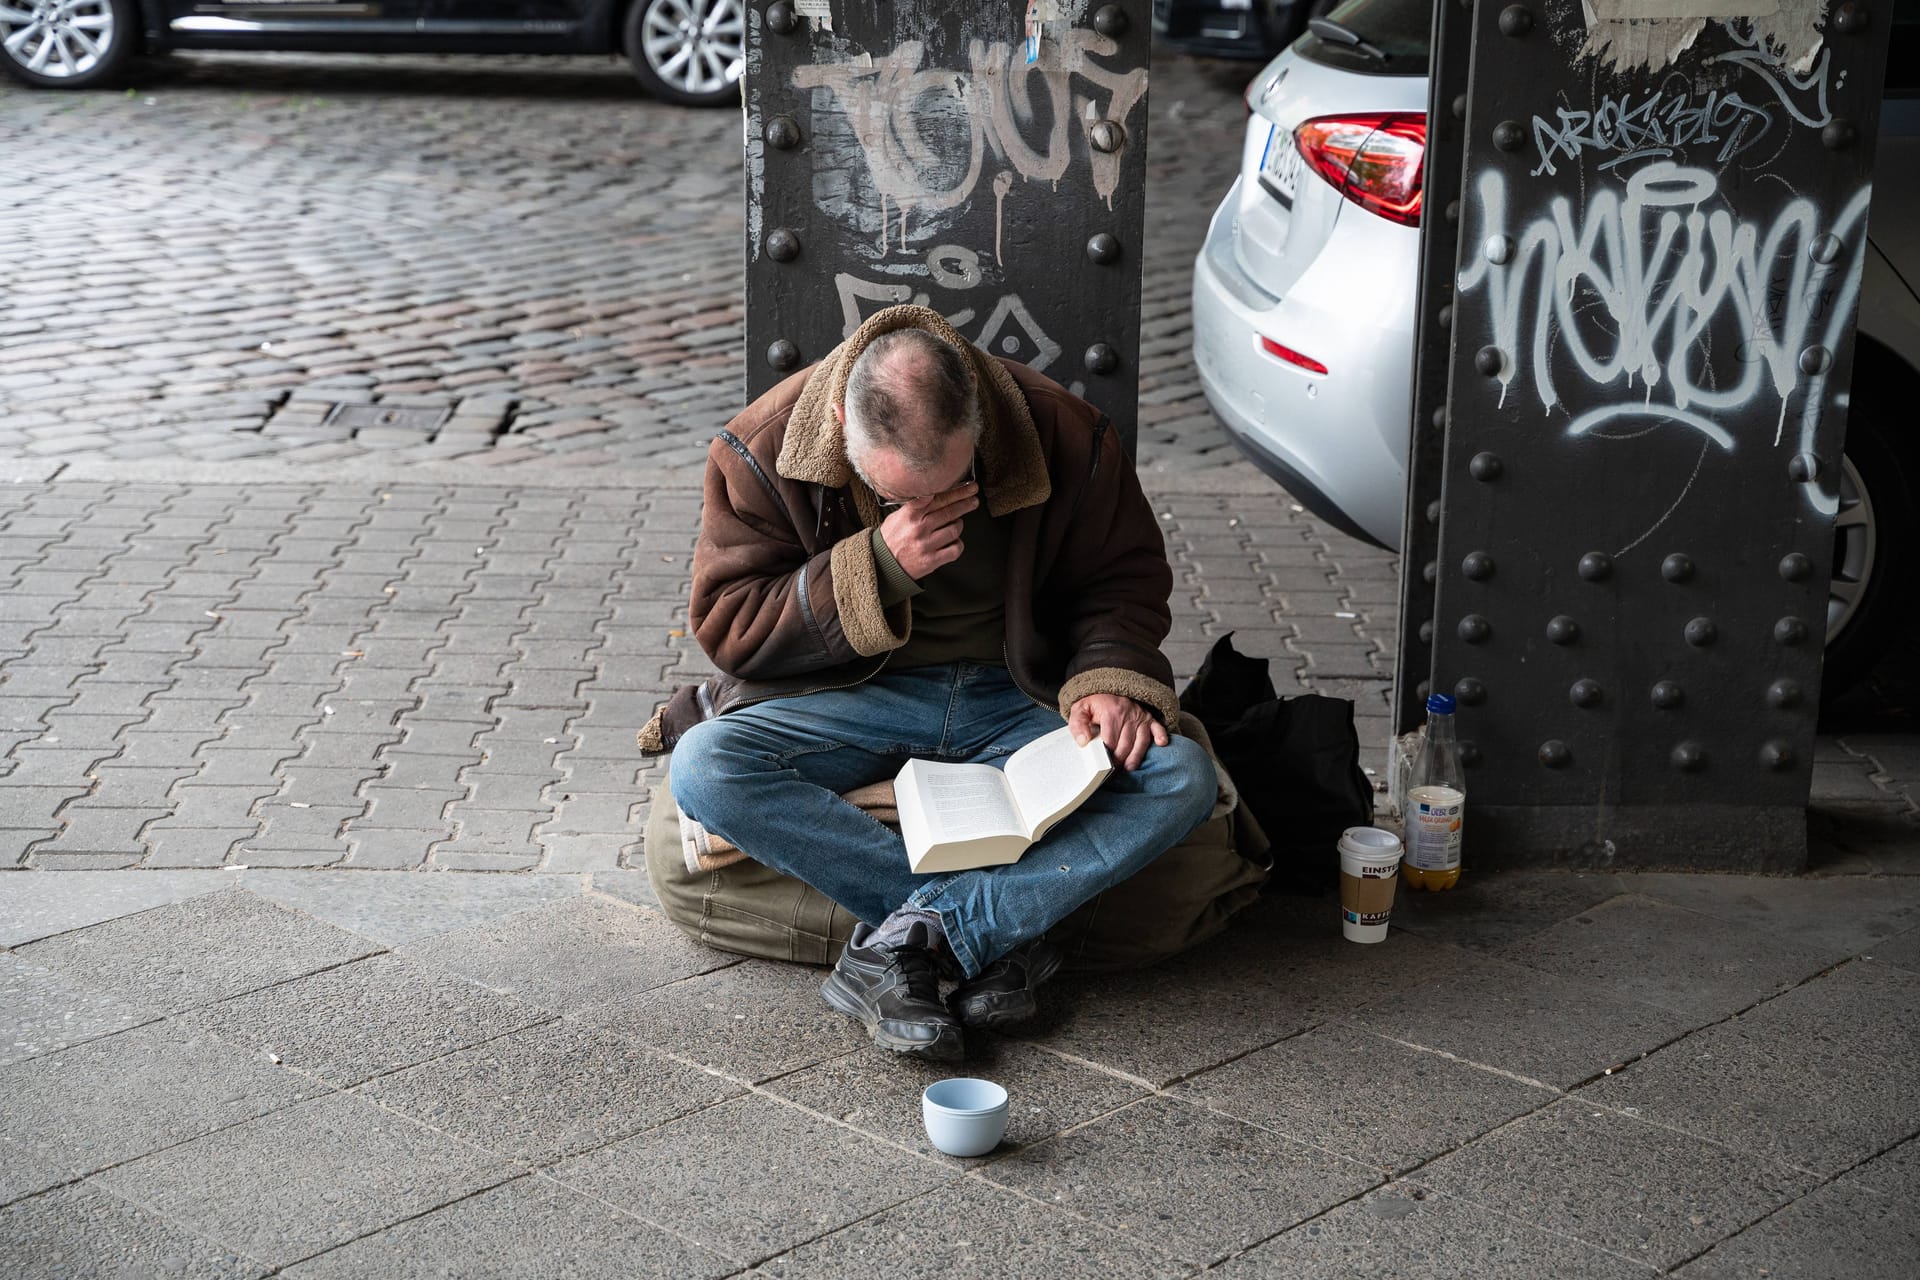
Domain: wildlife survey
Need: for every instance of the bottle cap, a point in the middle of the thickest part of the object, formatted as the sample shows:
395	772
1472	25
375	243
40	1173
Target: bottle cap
1440	704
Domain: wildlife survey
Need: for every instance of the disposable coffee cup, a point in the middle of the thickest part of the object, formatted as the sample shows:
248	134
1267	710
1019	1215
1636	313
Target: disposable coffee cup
1369	874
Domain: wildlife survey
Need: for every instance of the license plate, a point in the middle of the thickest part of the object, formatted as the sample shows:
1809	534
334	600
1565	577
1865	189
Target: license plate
1281	165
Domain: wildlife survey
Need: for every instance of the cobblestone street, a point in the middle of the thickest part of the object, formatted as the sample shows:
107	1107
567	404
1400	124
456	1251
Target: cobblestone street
532	246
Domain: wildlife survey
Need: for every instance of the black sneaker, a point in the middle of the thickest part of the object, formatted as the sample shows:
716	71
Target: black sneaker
895	992
1003	993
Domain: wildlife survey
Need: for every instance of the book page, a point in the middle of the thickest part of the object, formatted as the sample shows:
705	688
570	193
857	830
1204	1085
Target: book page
953	802
1053	775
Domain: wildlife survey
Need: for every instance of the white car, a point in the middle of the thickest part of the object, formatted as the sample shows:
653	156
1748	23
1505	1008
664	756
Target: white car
1304	298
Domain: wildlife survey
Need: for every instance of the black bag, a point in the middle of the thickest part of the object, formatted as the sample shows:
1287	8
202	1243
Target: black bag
1296	761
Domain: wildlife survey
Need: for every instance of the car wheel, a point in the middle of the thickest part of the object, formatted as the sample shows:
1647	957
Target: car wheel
1873	547
66	44
687	51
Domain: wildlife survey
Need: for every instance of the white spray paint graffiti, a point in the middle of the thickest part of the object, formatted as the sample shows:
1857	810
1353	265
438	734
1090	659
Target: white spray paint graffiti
1010	328
1629	287
1789	85
924	134
1654	127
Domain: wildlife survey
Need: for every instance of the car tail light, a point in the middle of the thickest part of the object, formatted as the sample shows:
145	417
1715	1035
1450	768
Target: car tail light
1372	160
1291	356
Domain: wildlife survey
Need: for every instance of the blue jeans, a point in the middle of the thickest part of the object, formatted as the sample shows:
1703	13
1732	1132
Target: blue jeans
768	778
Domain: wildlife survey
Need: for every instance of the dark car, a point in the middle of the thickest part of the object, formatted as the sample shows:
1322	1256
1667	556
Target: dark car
688	51
1234	28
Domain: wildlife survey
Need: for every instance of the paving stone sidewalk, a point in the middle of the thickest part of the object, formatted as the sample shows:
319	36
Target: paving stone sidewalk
262	1017
385	1075
297	673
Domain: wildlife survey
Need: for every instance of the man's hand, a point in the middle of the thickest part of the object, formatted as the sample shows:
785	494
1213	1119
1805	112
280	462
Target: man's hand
925	533
1126	727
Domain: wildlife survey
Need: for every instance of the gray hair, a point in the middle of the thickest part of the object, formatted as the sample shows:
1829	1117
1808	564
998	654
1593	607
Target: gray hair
910	391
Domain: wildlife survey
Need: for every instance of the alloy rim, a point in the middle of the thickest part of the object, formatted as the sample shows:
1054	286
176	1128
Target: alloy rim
697	46
58	39
1855	539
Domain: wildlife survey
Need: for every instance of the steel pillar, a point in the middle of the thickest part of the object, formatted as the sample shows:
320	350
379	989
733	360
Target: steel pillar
985	159
1439	249
1662	230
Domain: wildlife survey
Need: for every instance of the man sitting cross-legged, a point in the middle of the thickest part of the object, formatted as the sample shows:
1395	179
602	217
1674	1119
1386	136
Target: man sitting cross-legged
917	549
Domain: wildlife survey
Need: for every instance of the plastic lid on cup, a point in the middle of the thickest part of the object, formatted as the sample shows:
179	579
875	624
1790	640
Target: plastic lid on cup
1440	704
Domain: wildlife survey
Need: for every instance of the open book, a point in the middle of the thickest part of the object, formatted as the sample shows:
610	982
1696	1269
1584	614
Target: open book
956	816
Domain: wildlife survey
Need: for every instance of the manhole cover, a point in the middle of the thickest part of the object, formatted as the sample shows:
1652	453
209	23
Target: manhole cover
365	417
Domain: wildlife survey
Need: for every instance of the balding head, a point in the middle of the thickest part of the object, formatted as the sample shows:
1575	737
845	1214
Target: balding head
910	393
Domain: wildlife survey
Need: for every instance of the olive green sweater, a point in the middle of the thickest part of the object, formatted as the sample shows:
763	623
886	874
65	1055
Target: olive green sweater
959	610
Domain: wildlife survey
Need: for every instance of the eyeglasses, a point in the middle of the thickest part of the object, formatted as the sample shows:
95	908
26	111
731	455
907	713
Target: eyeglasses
891	505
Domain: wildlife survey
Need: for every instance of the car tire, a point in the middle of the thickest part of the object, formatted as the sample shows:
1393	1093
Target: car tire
1874	544
68	44
688	51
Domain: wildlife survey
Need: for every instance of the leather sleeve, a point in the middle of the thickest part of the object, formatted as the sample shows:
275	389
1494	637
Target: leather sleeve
766	604
1114	570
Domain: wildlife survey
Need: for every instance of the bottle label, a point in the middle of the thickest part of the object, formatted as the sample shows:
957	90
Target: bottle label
1434	821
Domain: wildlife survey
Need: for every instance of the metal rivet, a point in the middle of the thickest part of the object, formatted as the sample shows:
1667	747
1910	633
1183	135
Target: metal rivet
1477	565
1488	361
782	133
1470	754
1783	694
783	355
1451	211
1555	754
1426	632
1474	628
1499	249
1667	695
1510	135
1825	248
1816	360
1562	630
1459	106
1469	691
1677	567
1516	20
1777	754
1803	467
1110	20
1107	136
1430	572
1838	135
1789	631
781	19
1795	567
782	245
1688	757
1850	19
1701	632
1101	358
1485	467
1596	566
1439	418
1104	248
1445	316
1433	512
1584	693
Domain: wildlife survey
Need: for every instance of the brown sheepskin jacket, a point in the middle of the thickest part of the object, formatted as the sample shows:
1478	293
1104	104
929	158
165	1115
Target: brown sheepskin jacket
786	597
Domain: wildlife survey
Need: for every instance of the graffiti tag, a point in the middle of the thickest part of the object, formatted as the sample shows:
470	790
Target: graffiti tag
1630	285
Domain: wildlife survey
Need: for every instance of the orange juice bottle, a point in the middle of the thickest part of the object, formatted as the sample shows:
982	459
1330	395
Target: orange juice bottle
1436	804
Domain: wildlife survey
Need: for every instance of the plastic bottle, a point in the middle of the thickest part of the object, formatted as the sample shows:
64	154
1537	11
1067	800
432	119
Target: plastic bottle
1436	804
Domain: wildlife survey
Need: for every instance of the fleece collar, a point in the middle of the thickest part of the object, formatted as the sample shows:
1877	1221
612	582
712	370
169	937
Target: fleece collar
1013	471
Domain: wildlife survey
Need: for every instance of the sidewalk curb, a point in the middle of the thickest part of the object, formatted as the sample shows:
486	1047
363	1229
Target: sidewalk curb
1239	480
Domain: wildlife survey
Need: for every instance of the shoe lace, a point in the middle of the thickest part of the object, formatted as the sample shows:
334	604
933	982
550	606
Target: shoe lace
920	968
